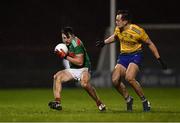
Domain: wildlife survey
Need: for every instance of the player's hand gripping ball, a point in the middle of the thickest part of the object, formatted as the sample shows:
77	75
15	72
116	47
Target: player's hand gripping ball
61	50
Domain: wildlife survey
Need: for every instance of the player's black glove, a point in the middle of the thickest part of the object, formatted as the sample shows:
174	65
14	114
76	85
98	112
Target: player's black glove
100	43
162	63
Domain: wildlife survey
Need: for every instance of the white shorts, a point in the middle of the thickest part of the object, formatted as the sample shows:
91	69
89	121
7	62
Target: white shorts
77	73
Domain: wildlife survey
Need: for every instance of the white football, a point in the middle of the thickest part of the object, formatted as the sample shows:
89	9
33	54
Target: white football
61	46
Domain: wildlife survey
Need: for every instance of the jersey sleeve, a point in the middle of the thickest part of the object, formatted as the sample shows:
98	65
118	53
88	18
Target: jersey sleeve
116	31
144	35
79	50
140	32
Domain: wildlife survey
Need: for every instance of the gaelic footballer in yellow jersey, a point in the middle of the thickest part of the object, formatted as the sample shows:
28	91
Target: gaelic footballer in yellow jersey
131	38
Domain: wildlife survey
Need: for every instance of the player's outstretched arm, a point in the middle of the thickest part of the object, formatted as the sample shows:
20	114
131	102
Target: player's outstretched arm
104	42
163	64
155	52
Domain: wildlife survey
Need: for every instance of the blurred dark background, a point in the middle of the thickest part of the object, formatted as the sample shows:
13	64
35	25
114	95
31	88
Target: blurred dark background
29	31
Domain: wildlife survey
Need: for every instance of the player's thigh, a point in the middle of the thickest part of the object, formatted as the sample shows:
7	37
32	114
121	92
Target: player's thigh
118	72
63	76
132	71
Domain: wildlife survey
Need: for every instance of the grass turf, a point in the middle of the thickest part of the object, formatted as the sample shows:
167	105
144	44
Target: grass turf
31	105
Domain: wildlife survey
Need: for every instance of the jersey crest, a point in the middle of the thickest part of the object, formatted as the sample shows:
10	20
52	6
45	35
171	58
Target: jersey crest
136	30
76	42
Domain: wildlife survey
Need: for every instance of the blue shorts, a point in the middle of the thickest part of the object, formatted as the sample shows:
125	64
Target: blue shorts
126	59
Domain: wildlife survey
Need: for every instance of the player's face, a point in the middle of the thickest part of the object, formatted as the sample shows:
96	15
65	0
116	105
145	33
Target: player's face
120	22
65	39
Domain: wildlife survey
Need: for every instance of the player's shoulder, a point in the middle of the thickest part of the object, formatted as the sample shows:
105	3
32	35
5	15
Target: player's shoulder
76	42
116	28
136	28
116	31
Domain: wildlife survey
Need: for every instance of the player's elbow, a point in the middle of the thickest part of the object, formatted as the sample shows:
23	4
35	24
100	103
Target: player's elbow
80	63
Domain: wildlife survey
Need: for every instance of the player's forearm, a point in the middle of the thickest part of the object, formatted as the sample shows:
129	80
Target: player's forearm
109	40
154	50
75	60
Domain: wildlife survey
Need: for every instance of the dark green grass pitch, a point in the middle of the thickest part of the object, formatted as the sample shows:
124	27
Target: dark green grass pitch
31	105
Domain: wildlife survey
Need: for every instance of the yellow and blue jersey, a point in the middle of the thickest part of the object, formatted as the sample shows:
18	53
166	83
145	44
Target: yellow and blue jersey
131	38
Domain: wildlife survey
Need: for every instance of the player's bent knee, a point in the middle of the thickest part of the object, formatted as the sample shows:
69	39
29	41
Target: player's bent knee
84	84
60	74
129	79
58	78
115	81
55	77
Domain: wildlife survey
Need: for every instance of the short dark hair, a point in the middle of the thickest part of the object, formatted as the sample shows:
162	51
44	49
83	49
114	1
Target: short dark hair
125	14
67	31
